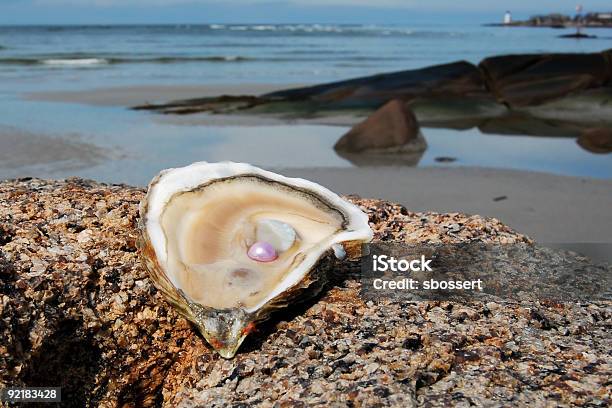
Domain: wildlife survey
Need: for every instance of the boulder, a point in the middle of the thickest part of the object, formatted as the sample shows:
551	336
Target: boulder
525	80
392	128
596	140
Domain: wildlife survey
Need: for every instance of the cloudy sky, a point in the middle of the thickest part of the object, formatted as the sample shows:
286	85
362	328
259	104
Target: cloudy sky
271	11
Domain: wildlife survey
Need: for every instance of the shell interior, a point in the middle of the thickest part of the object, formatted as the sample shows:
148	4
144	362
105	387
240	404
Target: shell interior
209	231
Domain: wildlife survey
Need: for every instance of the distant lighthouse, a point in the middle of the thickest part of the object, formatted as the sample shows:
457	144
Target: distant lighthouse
508	18
578	19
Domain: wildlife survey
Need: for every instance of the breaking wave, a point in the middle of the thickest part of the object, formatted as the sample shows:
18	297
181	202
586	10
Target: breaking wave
77	61
97	61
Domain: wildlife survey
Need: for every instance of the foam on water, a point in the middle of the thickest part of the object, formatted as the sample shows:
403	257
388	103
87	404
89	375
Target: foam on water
78	61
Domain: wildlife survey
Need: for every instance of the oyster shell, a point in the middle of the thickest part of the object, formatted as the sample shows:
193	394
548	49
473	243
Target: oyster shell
203	228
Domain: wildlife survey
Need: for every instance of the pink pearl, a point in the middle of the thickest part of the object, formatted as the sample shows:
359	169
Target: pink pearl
262	252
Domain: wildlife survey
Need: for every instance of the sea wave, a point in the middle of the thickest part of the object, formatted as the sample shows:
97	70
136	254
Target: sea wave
77	61
318	51
299	28
171	59
97	61
331	29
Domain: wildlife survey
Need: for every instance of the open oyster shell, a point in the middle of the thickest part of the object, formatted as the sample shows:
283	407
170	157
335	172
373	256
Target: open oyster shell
227	243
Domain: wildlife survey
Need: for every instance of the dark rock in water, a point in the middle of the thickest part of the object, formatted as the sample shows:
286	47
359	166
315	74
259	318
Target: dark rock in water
392	128
526	80
578	36
445	159
458	93
596	140
457	78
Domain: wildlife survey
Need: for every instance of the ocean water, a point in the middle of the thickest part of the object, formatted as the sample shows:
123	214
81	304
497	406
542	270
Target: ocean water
131	146
75	56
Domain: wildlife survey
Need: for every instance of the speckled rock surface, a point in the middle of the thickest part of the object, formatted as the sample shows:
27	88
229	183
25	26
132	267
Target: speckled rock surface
78	311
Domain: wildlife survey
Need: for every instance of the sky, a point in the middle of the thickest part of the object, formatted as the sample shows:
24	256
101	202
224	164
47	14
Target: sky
275	11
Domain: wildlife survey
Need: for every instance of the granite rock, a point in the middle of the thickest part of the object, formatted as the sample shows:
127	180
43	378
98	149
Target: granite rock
77	310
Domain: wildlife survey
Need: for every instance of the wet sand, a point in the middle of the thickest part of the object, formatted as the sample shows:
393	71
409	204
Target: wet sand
549	208
22	152
143	94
